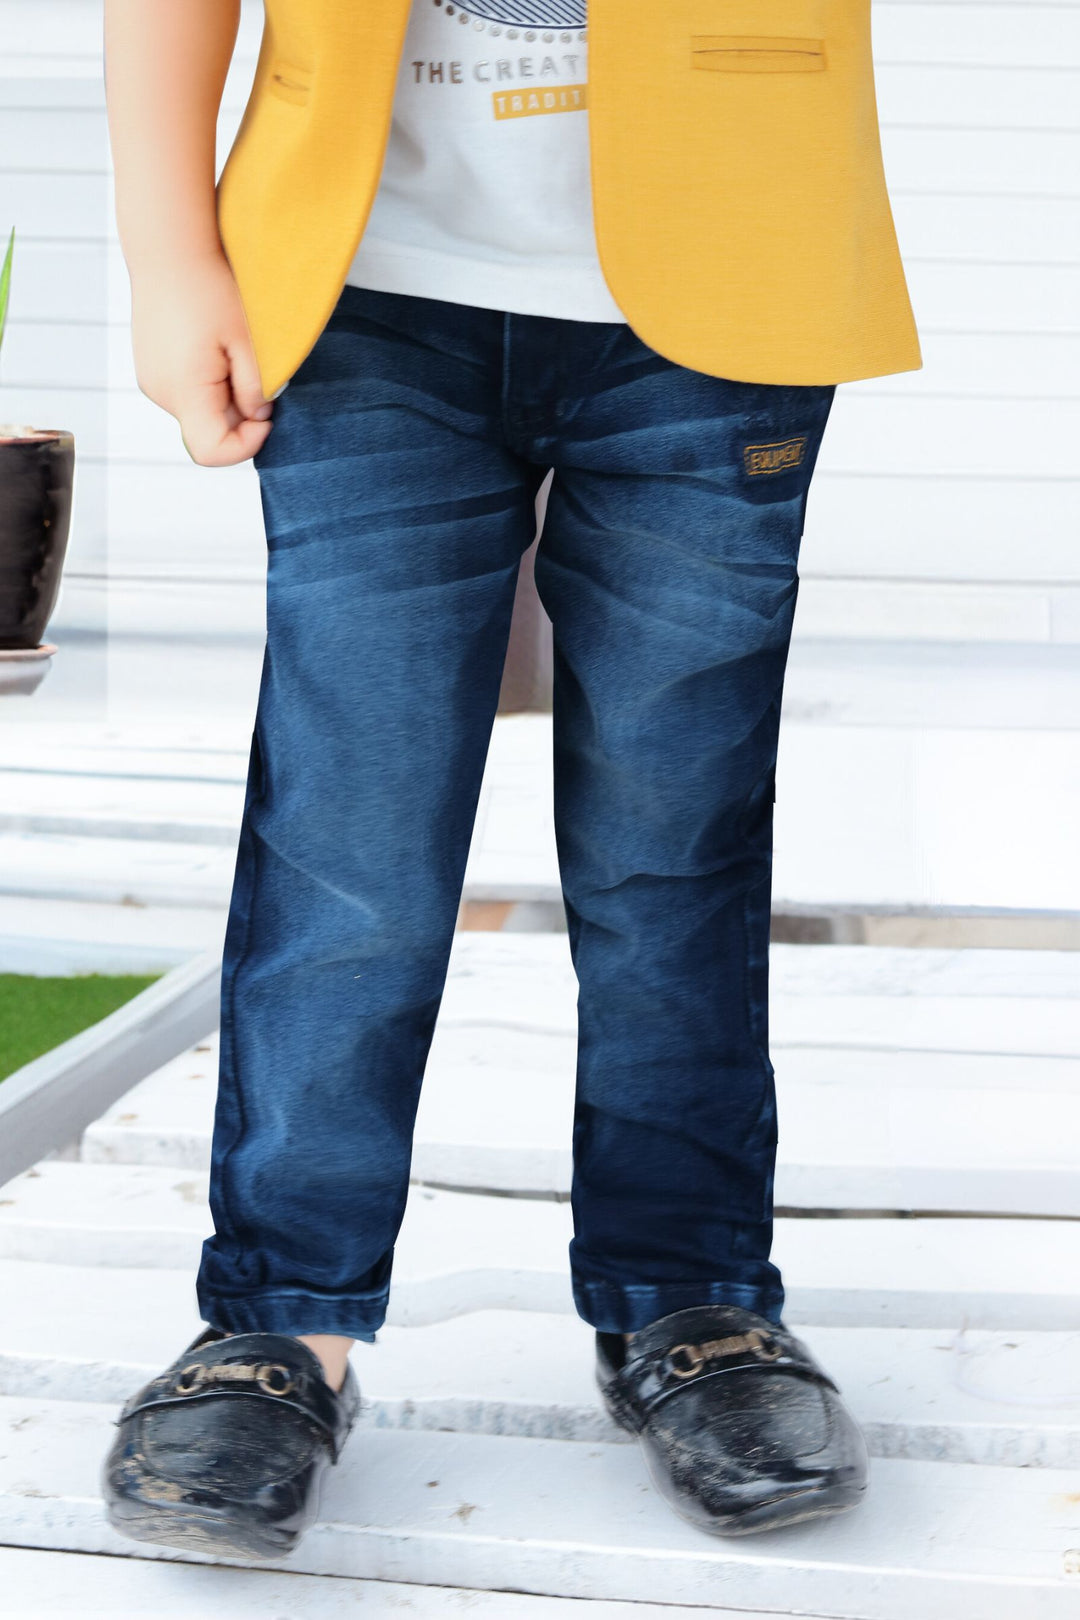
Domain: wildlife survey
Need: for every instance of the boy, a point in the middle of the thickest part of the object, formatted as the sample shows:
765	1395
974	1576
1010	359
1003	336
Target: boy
451	250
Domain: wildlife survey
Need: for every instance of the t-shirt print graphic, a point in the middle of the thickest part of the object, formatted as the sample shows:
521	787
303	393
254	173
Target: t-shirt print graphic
485	193
551	25
529	13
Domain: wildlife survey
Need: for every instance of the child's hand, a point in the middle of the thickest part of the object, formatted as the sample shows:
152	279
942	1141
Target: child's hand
194	357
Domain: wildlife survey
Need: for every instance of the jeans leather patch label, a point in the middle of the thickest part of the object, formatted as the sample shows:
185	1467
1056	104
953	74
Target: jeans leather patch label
761	459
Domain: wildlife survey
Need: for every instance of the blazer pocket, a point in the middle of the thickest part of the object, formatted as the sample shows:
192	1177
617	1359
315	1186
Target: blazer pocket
289	82
756	53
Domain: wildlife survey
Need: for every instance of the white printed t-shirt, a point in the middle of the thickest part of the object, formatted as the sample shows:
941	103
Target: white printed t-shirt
485	194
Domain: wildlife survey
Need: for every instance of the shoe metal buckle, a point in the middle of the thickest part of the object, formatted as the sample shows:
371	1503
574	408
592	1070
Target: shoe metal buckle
269	1376
695	1356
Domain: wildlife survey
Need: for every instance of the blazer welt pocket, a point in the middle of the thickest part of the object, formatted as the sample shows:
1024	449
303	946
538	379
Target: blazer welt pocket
289	82
756	53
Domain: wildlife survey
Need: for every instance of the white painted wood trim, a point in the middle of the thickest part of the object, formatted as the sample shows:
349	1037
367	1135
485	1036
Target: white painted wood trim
456	1253
945	1394
42	1585
584	1521
49	1102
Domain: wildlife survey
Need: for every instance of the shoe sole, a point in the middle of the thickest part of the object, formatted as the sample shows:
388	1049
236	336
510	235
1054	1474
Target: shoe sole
218	1532
230	1530
196	1530
772	1515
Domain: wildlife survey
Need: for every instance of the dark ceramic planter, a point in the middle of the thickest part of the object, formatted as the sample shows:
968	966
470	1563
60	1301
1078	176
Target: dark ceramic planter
36	472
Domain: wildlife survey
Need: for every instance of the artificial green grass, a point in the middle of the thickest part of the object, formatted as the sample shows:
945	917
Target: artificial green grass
38	1014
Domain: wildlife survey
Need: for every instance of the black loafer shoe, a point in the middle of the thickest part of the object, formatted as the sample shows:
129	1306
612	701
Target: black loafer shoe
742	1430
225	1451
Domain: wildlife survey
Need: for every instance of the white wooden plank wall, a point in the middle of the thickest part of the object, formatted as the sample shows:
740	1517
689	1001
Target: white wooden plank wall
947	502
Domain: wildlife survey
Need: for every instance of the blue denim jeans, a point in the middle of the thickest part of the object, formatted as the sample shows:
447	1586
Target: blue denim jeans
398	487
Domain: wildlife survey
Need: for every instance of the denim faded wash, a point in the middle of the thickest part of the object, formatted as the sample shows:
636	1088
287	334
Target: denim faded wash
398	487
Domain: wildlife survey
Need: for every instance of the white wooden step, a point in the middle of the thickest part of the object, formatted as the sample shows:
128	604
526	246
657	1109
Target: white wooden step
860	1131
870	816
959	685
164	749
97	1334
456	1251
923	683
936	1123
69	1586
877	817
583	1520
63	937
189	810
878	996
874	997
463	1251
119	871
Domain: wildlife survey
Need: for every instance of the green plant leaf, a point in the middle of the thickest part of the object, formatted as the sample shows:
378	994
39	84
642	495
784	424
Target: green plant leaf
5	283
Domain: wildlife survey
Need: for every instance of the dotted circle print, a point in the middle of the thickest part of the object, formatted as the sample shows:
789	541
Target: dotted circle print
528	13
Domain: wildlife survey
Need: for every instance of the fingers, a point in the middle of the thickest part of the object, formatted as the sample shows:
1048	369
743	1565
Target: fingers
215	434
227	449
247	387
194	356
228	420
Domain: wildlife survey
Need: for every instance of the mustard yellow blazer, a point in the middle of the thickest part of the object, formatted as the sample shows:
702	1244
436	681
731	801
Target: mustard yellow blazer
741	214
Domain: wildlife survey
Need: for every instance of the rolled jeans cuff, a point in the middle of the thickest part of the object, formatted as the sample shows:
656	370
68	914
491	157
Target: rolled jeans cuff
614	1308
356	1317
